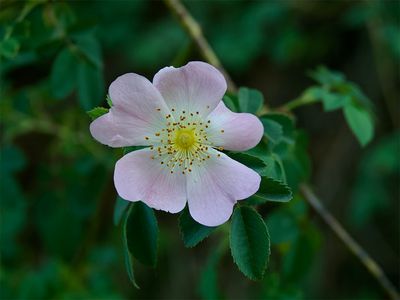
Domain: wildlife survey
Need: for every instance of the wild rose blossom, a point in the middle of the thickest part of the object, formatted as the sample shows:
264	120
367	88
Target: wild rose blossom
185	124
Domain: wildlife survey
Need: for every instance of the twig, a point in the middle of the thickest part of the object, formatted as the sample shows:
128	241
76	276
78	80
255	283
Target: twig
353	246
194	30
301	101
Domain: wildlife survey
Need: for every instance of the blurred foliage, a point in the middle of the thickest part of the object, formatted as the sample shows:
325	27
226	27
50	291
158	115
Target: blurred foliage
378	176
56	196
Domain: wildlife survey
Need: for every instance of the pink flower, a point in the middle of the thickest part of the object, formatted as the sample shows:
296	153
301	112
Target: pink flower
184	123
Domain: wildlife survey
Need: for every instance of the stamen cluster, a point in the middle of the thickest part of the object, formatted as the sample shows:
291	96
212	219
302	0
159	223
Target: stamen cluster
183	142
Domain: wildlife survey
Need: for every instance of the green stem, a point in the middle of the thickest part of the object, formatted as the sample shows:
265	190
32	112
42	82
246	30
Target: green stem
301	101
193	29
351	244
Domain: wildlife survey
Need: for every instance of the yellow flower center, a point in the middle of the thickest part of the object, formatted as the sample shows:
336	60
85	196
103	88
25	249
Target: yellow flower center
185	138
183	141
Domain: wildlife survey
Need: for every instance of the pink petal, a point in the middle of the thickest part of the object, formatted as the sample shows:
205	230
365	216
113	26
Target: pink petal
139	177
214	188
138	111
234	131
197	86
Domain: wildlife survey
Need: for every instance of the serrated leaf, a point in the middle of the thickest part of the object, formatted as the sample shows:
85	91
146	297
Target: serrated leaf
90	86
109	101
360	122
250	100
273	168
271	190
142	233
120	207
192	232
127	254
248	160
286	123
97	112
273	164
249	242
272	129
63	74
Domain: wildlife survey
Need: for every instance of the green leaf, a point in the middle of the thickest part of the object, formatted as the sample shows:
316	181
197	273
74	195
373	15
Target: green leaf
249	242
109	101
142	233
9	48
272	129
271	190
192	232
229	103
248	160
90	86
129	149
250	100
127	254
97	112
63	74
273	164
285	122
333	101
295	159
325	76
90	49
360	122
120	207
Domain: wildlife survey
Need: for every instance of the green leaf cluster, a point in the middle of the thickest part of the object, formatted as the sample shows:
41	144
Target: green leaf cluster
79	67
336	92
